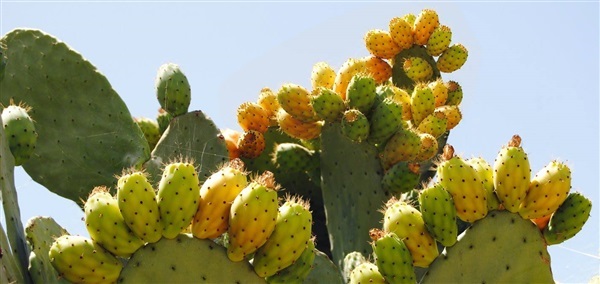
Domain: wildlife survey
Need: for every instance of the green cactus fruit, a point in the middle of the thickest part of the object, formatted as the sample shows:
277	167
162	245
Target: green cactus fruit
568	219
455	93
252	217
547	191
351	67
452	58
392	257
289	239
351	261
429	147
252	116
401	32
486	175
322	76
178	192
268	101
401	178
385	121
512	173
407	223
366	273
403	146
422	103
439	214
150	129
361	93
410	18
299	270
327	104
106	225
425	25
380	44
292	157
439	40
163	119
402	97
20	131
80	260
434	124
417	69
440	92
463	183
355	125
295	100
453	115
173	89
138	205
216	195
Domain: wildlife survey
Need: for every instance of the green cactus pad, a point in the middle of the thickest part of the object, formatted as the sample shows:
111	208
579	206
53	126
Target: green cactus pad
63	89
185	259
324	271
569	219
41	233
399	77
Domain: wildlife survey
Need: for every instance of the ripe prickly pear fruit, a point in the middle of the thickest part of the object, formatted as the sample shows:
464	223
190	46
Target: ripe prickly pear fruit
439	214
163	119
440	91
292	157
422	103
486	175
463	183
542	222
251	144
231	138
392	257
252	217
377	68
434	124
351	261
453	115
322	76
299	270
439	40
150	129
178	193
295	100
80	260
328	105
569	219
355	125
407	223
410	18
380	44
366	272
216	195
402	97
361	93
547	191
401	33
453	58
289	239
385	120
403	146
173	89
350	68
296	128
429	147
138	205
268	101
106	225
417	69
402	177
425	25
251	116
512	174
455	93
20	132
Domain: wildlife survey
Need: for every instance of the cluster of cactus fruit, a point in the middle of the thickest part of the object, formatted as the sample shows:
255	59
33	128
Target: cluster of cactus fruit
294	197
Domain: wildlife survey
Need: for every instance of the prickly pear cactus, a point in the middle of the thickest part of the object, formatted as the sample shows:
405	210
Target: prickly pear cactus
41	233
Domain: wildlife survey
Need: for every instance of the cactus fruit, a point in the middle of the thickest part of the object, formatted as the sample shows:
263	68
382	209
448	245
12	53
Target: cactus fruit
177	196
299	270
547	191
292	157
401	32
440	91
455	93
453	115
351	261
410	18
80	260
289	239
453	58
231	138
350	68
439	214
392	257
295	100
402	97
268	101
435	124
568	219
251	116
138	205
417	69
380	44
425	25
41	232
439	40
163	119
402	177
385	120
328	105
429	147
463	183
106	225
150	129
486	175
20	132
377	68
296	128
422	103
542	222
216	195
173	89
403	146
252	217
251	144
322	76
361	93
366	272
512	174
355	125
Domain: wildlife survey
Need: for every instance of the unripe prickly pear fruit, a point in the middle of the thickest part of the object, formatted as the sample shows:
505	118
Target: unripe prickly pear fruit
150	129
296	128
422	103
417	69
547	191
392	257
377	68
20	132
216	196
425	25
138	205
328	105
163	119
251	116
402	177
453	58
434	124
402	97
351	261
569	219
292	157
80	260
252	217
366	273
401	33
429	147
512	174
380	44
173	89
231	138
251	144
455	93
178	193
440	92
439	214
439	40
295	100
453	115
355	125
486	175
361	93
297	272
350	68
106	225
268	101
322	76
385	120
403	146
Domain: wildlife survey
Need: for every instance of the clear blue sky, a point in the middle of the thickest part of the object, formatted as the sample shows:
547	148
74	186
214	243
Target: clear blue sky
533	69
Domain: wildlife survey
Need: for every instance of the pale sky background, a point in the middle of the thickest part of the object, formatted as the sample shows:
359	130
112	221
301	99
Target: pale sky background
533	69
